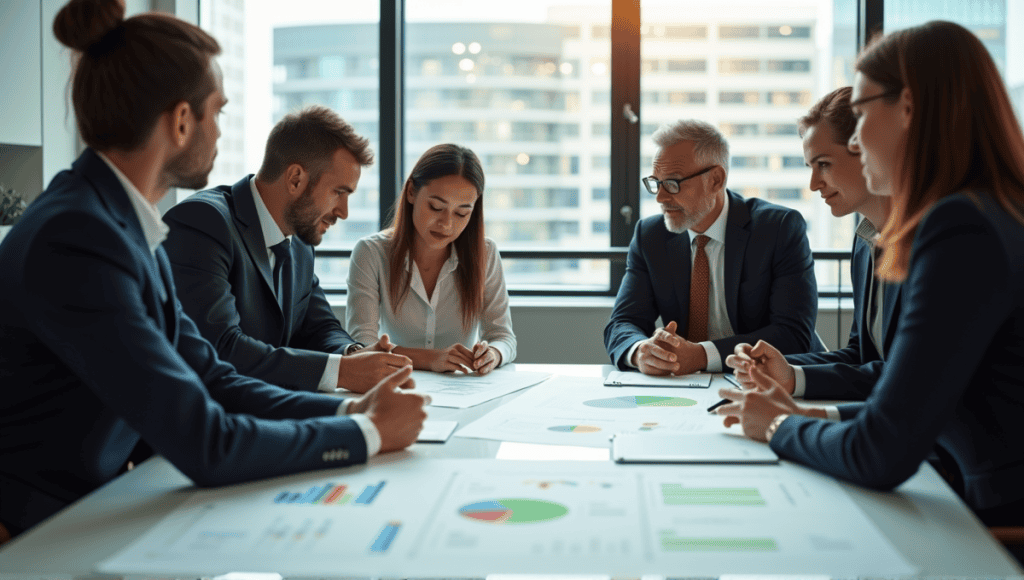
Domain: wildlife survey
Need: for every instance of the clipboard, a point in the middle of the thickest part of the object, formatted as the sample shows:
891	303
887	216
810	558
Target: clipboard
705	448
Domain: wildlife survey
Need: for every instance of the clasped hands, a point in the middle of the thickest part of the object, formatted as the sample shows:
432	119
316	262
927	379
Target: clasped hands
481	360
768	382
667	353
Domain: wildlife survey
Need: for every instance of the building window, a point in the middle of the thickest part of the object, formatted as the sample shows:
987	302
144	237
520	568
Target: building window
730	32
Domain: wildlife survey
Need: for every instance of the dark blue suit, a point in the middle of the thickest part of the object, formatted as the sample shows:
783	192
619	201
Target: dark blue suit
849	373
93	360
770	290
955	373
226	285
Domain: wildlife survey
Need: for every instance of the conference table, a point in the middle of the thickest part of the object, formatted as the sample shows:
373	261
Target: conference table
923	519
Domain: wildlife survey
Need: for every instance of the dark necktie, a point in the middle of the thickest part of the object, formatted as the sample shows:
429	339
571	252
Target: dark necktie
697	330
282	272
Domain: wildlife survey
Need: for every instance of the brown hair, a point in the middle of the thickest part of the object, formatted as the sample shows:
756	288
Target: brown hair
441	161
129	72
310	138
834	110
963	132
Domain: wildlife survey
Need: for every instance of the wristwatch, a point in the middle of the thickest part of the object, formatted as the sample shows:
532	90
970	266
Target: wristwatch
354	347
774	426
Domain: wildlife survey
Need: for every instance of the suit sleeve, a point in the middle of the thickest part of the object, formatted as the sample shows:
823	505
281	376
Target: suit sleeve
635	313
957	286
496	318
201	251
365	279
792	294
321	330
106	334
847	373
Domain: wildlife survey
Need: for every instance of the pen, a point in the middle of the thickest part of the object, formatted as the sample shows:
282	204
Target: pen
732	380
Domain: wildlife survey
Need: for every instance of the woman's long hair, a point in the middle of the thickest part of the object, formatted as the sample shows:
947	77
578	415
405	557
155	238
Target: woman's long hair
963	132
441	161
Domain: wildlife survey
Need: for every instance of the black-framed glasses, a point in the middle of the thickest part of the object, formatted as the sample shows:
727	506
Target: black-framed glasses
671	185
860	102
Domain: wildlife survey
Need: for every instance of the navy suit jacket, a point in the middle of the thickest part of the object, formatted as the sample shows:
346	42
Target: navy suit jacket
93	360
955	373
770	290
849	373
226	285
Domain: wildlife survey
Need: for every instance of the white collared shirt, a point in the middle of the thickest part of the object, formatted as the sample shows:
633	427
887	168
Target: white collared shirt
433	322
153	227
718	315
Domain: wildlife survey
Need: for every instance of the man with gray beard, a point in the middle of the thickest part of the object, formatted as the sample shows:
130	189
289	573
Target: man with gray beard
716	268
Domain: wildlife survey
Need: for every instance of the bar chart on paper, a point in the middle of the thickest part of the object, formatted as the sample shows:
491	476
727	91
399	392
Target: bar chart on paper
330	494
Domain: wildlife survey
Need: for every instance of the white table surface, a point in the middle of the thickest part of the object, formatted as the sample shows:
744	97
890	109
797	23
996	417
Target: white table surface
923	518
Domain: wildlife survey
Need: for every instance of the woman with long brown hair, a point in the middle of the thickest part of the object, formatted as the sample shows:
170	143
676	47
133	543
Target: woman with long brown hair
432	281
936	131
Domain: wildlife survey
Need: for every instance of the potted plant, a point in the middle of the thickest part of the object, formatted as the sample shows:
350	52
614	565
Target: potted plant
11	207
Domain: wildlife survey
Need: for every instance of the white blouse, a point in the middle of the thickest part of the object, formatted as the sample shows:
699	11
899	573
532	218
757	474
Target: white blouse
422	322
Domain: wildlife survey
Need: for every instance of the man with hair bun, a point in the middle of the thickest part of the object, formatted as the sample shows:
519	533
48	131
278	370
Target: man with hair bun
717	269
100	366
242	257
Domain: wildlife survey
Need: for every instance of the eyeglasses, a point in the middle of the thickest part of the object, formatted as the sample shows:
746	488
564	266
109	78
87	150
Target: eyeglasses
671	185
860	102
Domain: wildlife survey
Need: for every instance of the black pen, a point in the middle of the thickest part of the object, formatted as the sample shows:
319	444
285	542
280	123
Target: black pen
732	380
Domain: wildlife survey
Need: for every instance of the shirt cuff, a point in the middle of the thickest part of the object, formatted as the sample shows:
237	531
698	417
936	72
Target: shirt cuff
832	413
370	433
800	383
329	380
504	350
629	355
714	359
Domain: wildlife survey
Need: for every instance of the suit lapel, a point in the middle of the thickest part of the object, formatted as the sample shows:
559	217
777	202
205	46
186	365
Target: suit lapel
115	198
677	250
736	236
169	310
247	221
889	315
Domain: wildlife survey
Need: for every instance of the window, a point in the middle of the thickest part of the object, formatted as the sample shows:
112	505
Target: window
530	87
729	66
728	32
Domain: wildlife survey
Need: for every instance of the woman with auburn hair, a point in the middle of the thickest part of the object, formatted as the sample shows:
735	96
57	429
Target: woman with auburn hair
936	132
432	281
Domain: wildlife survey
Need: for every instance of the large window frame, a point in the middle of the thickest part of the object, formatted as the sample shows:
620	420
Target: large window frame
625	123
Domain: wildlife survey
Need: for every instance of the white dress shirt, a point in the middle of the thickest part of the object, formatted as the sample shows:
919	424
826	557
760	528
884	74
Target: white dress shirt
433	322
272	235
718	316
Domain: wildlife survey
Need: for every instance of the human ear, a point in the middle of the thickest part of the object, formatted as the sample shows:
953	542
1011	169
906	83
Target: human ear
296	179
906	107
183	124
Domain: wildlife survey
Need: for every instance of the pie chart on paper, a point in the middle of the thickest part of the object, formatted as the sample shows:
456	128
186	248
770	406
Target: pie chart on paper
634	401
574	428
513	511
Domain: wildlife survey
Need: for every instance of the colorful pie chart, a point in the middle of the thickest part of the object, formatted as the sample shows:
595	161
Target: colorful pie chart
575	428
513	511
634	401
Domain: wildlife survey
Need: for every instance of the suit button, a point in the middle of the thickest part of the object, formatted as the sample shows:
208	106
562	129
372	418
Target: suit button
344	454
324	456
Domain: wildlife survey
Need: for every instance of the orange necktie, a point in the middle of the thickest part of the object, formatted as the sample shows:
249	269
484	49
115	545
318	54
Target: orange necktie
697	330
